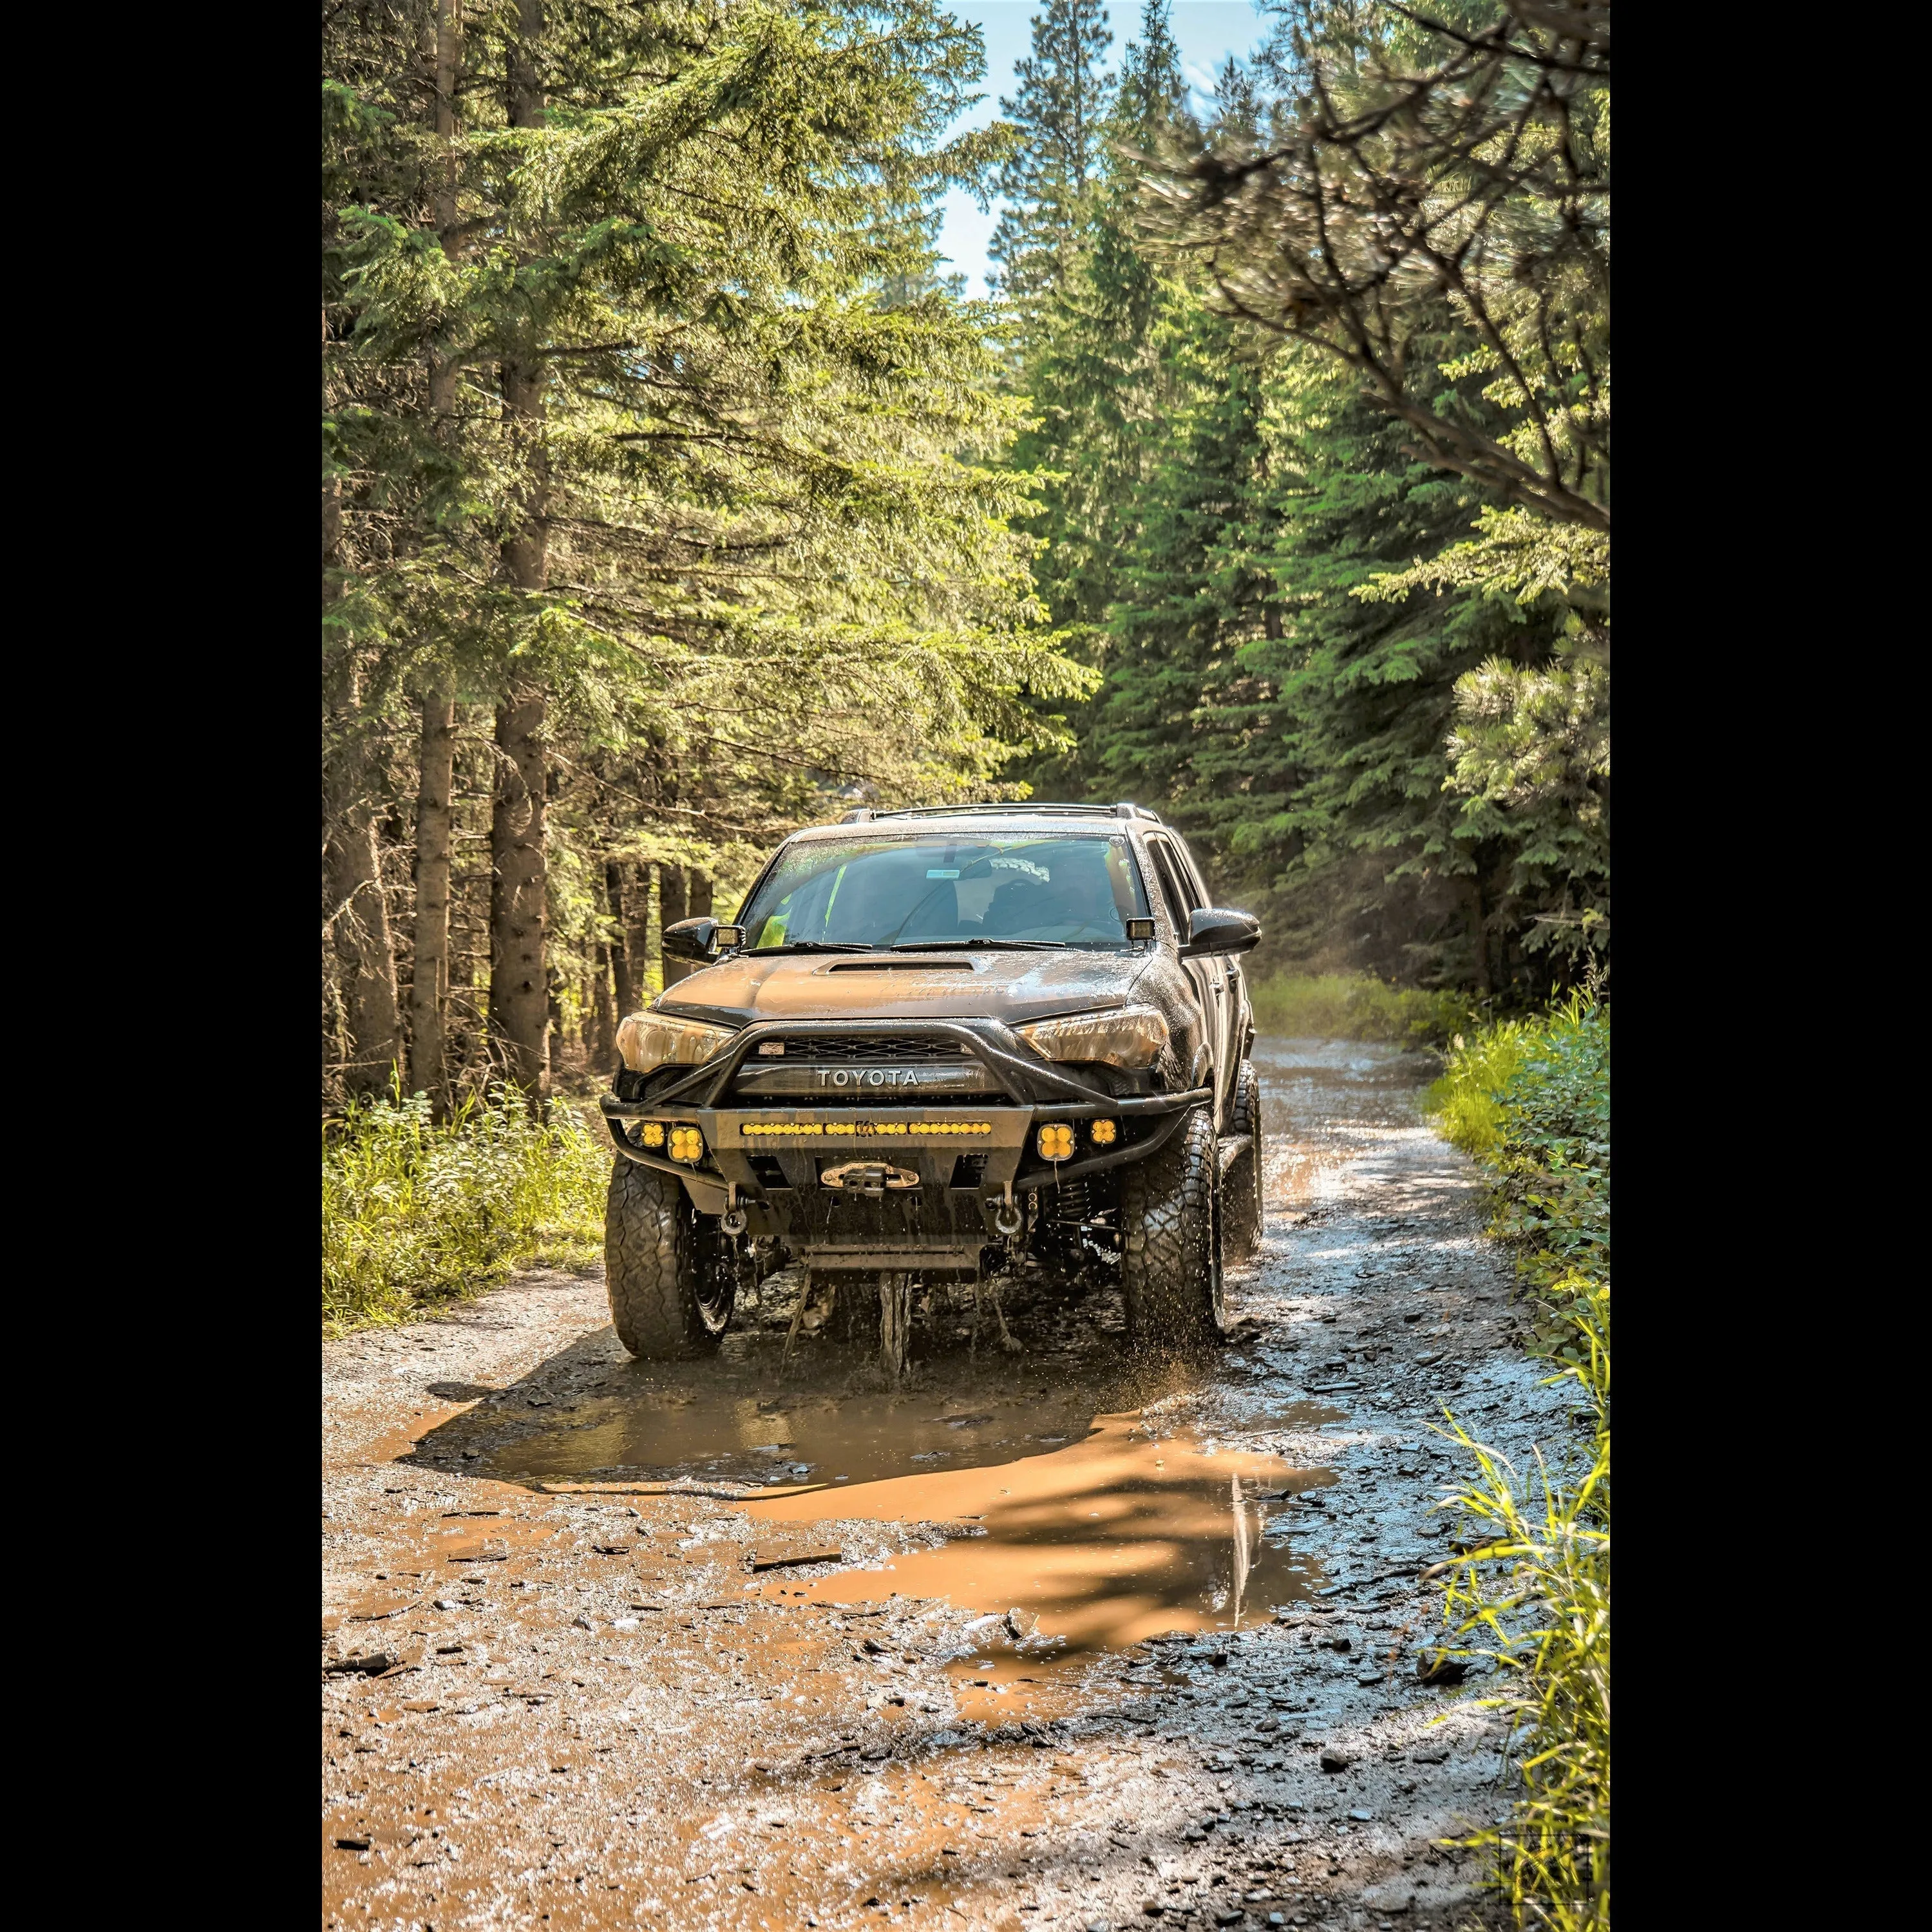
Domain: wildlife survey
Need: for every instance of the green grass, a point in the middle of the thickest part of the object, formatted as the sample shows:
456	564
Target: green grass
414	1212
1531	1100
1351	1006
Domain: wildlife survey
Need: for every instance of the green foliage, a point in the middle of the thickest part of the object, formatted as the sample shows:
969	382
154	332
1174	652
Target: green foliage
1350	1006
414	1212
1531	1100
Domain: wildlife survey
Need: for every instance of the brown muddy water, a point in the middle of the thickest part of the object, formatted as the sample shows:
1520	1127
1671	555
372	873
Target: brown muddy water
1053	1638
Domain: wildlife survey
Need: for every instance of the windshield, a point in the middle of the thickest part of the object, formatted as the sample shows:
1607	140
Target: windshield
939	888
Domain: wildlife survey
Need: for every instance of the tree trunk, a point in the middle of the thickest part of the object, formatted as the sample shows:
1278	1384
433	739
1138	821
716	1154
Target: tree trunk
519	909
429	993
519	986
671	904
699	897
603	1011
1479	933
448	56
614	884
637	931
360	924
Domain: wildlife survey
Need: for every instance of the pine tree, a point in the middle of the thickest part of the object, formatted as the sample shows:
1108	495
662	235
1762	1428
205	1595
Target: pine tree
1050	178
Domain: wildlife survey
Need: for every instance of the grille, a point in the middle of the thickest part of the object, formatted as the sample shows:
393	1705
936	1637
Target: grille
901	1047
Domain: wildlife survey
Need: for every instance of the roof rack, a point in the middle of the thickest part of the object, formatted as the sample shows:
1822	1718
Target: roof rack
1017	809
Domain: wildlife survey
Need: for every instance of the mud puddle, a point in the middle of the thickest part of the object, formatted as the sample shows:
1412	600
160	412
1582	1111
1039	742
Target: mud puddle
1132	1532
735	1433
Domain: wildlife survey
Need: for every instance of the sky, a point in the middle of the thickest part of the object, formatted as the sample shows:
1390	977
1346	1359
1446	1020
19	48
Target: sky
1206	32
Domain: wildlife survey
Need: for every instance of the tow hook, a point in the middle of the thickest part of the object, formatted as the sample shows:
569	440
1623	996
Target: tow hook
1009	1217
733	1220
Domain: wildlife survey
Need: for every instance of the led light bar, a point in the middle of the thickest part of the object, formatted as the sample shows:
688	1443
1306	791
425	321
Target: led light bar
858	1130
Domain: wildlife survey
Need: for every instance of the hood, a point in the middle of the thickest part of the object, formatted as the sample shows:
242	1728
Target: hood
1012	987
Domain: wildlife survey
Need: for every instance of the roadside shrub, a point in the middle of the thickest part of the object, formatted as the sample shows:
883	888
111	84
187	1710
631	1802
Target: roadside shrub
1350	1006
413	1211
1531	1099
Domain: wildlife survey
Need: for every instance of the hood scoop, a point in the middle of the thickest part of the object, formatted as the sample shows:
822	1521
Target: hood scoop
901	966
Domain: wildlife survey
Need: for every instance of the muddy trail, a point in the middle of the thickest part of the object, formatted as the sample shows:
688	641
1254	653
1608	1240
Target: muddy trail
1053	1639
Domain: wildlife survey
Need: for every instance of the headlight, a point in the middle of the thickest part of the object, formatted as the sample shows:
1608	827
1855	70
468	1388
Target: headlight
1135	1036
651	1040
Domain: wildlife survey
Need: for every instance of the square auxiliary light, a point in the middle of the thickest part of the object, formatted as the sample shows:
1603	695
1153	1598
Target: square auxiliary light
652	1133
686	1144
1105	1133
1140	928
1056	1140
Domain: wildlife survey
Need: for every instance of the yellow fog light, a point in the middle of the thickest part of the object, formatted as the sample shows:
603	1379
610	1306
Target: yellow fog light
1056	1142
1106	1132
653	1133
686	1144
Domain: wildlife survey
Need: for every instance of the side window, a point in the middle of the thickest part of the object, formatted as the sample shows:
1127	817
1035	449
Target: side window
1192	887
1171	886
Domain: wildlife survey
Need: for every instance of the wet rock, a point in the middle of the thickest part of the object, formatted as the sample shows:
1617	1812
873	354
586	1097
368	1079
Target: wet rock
1021	1623
1334	1758
367	1663
1439	1667
581	1622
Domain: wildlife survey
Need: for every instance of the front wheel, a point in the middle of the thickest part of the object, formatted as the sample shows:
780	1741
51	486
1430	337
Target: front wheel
1241	1185
1170	1238
672	1277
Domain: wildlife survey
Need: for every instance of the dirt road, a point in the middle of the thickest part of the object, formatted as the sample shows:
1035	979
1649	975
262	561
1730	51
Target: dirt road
1085	1643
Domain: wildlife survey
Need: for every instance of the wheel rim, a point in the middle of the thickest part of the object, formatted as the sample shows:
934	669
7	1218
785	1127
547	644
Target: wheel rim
718	1289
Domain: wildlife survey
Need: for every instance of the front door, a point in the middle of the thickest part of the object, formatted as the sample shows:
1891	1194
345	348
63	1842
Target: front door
1178	887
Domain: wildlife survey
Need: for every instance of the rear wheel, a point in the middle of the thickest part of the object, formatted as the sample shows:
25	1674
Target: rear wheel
1170	1238
1241	1184
672	1276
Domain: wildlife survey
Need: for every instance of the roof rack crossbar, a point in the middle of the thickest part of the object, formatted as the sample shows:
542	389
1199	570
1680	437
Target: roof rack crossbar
1017	809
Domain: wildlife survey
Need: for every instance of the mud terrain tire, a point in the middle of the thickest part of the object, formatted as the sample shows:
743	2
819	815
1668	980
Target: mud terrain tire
1241	1185
670	1283
1171	1239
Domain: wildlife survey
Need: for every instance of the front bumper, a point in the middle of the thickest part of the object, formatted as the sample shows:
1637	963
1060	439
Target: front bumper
954	1220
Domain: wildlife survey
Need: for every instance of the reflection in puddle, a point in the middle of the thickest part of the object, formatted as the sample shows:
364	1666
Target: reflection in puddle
727	1434
1125	1535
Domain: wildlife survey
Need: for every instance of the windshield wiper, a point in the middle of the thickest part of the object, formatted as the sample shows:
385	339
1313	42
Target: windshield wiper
999	945
812	946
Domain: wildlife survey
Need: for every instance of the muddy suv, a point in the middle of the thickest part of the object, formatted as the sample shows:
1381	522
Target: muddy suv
935	1043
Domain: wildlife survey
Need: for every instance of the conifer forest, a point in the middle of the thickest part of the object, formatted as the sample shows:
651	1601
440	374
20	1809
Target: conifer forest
674	497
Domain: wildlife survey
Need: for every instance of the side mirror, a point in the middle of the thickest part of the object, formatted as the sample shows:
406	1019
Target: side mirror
701	938
1214	929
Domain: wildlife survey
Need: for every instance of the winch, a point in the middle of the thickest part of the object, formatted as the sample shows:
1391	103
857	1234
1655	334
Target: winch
868	1177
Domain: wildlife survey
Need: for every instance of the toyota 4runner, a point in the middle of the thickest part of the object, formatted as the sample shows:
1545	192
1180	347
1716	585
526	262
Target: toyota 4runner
932	1041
